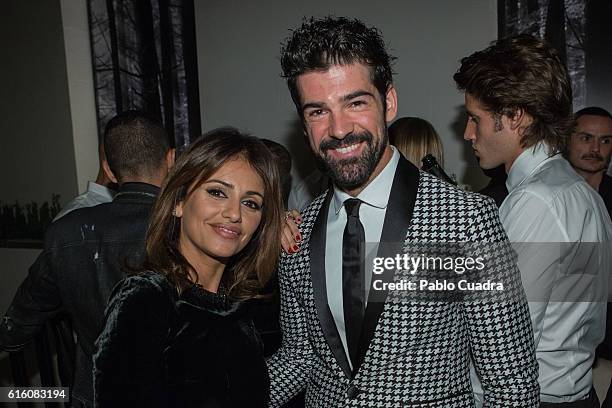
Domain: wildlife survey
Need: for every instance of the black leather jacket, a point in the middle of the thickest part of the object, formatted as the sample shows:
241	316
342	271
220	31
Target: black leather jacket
84	256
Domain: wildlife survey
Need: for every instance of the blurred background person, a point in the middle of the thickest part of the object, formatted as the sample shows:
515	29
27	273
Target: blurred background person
282	158
98	192
419	142
304	192
589	150
496	188
415	138
266	311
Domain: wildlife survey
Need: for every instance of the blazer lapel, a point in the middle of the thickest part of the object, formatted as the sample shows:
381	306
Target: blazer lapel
317	271
395	227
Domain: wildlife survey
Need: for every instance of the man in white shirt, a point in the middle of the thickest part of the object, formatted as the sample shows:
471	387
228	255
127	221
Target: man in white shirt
98	192
304	192
519	103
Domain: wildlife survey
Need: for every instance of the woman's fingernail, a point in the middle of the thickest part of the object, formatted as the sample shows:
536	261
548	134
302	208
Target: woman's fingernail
295	248
298	237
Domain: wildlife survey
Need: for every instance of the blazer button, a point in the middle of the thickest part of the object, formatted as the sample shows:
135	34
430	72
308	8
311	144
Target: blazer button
352	392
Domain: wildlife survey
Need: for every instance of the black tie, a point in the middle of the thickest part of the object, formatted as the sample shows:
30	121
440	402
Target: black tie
353	276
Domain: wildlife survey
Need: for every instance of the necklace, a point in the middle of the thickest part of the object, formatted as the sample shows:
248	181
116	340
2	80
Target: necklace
221	291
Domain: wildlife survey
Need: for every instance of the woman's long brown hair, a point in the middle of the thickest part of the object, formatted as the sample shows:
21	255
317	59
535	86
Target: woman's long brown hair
249	270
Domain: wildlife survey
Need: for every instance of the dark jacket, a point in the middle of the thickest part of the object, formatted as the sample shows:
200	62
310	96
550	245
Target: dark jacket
162	349
605	348
82	260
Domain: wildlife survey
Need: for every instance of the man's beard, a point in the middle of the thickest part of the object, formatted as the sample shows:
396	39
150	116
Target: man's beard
354	172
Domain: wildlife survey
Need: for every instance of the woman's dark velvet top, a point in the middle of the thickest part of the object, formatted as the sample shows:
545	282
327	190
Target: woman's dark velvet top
159	349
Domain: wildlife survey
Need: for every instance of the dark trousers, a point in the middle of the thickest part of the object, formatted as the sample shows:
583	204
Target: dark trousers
590	401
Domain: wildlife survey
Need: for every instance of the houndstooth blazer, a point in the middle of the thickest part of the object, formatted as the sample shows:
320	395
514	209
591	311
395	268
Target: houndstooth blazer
414	352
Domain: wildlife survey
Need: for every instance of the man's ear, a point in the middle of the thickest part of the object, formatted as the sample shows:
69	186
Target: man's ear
109	173
518	119
170	157
391	99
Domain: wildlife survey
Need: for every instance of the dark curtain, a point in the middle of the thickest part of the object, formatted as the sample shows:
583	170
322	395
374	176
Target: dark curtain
144	57
598	45
562	23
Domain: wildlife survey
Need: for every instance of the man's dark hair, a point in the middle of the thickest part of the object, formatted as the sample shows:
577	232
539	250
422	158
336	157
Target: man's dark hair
522	72
282	158
594	111
135	144
320	43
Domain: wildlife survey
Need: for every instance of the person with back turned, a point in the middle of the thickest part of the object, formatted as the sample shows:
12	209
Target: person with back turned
86	251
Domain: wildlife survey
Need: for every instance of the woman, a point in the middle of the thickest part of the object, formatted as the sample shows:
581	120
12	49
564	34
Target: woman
177	333
415	138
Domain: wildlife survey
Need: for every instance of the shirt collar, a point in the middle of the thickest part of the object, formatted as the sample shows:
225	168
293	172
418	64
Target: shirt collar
94	187
376	194
137	189
526	163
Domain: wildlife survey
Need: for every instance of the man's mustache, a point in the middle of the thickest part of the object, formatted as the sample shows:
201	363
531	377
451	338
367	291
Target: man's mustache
592	156
353	138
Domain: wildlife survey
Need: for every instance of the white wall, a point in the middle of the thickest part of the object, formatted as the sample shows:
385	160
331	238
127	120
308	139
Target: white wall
80	90
239	72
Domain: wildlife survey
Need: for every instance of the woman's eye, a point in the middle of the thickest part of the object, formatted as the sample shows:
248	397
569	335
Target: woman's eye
252	204
215	192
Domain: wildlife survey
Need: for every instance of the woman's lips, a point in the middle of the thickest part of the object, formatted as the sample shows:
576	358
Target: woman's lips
227	231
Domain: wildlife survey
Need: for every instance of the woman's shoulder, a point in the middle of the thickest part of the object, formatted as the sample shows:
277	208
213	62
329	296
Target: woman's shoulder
148	286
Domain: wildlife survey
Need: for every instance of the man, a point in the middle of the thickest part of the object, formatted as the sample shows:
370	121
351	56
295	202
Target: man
588	151
590	148
265	311
519	104
283	158
87	251
347	349
98	192
305	191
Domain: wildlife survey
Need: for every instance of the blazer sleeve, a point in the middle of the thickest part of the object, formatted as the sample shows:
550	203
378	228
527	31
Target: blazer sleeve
128	361
37	300
499	327
290	366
